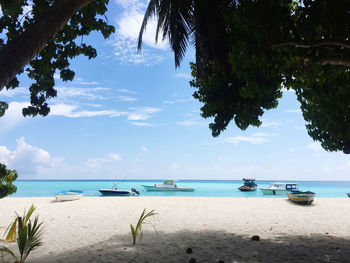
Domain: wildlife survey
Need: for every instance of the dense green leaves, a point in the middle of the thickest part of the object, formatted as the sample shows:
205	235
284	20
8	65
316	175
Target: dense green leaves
247	51
56	55
7	177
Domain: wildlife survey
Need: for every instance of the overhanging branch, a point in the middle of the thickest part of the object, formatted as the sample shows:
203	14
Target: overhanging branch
312	44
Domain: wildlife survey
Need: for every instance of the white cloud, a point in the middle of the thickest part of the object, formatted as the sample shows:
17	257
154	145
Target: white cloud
144	149
315	147
142	124
294	111
72	111
238	139
128	28
126	91
126	98
20	91
190	123
13	116
26	159
183	75
115	156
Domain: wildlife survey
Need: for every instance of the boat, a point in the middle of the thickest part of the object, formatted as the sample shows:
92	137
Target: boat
301	197
116	192
168	185
348	194
249	185
69	195
279	188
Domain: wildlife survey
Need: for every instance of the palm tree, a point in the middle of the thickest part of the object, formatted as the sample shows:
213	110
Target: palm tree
199	22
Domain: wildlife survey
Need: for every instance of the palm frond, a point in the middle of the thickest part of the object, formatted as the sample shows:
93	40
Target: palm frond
8	251
175	19
137	231
150	12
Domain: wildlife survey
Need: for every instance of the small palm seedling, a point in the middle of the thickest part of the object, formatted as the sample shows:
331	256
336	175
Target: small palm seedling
28	235
137	231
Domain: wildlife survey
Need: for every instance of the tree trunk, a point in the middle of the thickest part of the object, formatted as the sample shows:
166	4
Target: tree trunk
22	49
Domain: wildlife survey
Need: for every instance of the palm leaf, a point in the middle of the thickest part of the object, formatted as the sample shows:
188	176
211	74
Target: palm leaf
8	251
137	231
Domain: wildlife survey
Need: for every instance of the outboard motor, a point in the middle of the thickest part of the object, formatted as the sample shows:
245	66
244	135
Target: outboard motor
135	191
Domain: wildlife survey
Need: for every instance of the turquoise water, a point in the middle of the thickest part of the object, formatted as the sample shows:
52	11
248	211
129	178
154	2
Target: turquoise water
202	188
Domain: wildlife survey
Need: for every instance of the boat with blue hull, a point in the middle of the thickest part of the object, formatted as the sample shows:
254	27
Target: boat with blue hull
249	185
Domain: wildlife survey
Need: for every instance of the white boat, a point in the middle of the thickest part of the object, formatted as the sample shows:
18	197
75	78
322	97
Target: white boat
168	185
69	195
279	188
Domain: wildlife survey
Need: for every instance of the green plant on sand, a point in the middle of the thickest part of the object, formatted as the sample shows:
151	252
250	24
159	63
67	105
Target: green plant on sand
137	230
28	235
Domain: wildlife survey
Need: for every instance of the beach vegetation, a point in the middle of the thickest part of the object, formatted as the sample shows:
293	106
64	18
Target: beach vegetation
26	232
7	177
248	53
136	231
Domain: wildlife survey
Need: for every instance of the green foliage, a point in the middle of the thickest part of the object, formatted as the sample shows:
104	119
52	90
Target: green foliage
137	230
6	178
58	52
27	233
248	50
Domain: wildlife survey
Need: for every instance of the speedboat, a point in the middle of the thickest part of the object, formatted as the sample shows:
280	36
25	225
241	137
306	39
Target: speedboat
300	197
115	192
279	188
69	195
168	185
249	185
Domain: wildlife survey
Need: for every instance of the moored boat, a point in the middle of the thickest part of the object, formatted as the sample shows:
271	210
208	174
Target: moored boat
69	195
249	185
301	197
116	192
279	188
168	185
348	194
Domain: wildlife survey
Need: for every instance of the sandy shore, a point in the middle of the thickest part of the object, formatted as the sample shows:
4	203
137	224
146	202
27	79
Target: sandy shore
97	229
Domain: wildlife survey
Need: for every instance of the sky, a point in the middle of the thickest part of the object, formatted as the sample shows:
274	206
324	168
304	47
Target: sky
132	116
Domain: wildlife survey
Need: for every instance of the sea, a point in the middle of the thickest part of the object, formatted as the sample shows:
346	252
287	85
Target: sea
203	188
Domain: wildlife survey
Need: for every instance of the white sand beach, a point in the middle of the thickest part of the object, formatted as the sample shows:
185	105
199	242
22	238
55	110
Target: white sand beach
97	229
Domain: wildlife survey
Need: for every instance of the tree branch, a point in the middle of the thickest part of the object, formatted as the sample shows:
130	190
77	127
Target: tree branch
336	61
313	44
22	49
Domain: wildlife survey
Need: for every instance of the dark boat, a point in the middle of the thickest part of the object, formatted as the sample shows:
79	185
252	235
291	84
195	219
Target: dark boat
115	192
249	185
305	198
348	194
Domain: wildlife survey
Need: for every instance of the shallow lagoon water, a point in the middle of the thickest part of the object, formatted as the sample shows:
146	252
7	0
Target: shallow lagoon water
203	188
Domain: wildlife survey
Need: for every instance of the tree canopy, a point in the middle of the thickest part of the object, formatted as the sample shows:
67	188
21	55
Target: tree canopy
46	37
7	177
249	51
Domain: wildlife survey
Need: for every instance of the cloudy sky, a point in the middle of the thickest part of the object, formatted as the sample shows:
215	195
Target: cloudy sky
132	116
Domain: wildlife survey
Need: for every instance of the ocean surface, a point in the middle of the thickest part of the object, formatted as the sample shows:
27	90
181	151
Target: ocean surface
203	188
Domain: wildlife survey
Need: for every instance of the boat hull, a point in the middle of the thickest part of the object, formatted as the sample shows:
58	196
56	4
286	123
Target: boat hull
69	195
247	189
305	198
167	189
274	191
111	192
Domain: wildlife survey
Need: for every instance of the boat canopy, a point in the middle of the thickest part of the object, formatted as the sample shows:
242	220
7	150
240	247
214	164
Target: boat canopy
249	182
170	182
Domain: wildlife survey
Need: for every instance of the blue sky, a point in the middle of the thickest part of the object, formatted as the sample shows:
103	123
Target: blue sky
132	116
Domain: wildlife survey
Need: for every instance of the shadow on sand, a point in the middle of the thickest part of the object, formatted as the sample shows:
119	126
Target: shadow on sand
208	246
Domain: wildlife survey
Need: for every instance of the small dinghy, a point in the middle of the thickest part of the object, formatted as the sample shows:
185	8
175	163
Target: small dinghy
69	195
305	198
